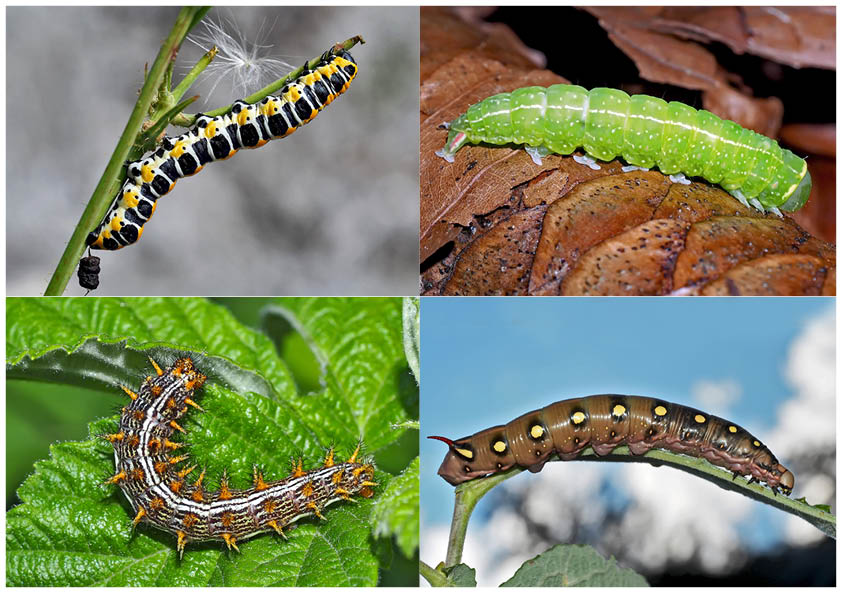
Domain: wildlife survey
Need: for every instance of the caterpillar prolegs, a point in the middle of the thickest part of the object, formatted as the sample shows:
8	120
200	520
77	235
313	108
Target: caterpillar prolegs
604	422
156	483
246	126
645	131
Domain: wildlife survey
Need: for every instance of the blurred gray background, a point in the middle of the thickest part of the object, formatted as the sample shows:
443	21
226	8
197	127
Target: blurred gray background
331	210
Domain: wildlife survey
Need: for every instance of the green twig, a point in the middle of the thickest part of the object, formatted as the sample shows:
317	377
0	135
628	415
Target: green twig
470	492
194	73
436	578
109	183
187	120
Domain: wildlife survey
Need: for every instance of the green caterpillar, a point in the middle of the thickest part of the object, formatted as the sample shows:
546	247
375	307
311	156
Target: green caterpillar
645	131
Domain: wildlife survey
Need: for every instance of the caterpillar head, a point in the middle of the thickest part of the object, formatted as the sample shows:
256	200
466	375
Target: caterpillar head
456	138
460	462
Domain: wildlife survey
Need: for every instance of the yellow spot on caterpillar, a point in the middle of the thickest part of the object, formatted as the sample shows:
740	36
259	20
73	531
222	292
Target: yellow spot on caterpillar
756	443
468	454
178	149
578	417
293	94
146	173
499	446
536	431
227	519
700	418
210	129
660	410
243	117
732	429
270	505
130	198
308	489
618	410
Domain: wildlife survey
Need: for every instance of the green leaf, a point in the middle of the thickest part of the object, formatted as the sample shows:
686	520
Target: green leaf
396	511
412	335
359	344
462	575
573	566
71	529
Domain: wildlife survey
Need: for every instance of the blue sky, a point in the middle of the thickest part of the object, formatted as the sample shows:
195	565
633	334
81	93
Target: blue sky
485	361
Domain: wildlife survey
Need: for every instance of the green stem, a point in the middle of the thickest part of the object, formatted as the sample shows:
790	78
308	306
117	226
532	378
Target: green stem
435	577
109	183
467	496
469	493
194	73
187	120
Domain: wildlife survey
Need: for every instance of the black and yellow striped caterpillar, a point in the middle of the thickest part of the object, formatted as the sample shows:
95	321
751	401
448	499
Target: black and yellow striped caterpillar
604	422
245	126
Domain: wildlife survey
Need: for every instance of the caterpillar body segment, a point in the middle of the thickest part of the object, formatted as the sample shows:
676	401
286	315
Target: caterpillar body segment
604	422
645	131
245	126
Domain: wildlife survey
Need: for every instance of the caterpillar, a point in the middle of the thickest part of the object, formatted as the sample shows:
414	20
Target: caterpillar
245	126
645	131
89	272
160	494
604	422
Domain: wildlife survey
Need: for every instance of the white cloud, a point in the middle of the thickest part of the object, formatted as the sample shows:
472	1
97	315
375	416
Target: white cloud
717	395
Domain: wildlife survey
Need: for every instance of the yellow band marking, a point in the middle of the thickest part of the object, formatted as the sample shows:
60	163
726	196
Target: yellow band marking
700	418
660	410
536	431
578	417
468	454
499	446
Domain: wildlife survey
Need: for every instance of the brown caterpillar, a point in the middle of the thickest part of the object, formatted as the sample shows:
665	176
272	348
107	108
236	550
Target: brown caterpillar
151	476
604	422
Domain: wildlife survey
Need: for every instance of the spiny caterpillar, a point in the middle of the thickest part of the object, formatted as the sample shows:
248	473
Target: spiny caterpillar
160	494
604	422
645	131
246	126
